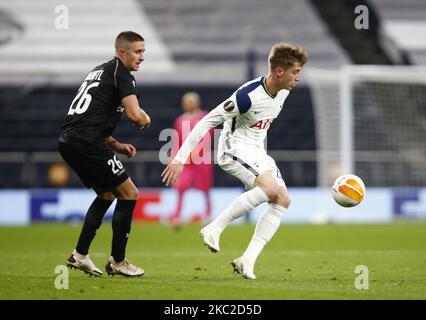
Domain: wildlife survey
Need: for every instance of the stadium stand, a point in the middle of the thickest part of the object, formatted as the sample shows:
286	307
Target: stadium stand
362	44
182	37
403	28
221	33
207	46
44	52
191	45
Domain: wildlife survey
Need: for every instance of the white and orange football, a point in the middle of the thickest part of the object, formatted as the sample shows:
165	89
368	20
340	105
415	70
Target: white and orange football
348	190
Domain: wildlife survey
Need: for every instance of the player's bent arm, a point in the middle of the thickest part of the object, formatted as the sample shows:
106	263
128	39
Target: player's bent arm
111	141
135	113
123	148
211	120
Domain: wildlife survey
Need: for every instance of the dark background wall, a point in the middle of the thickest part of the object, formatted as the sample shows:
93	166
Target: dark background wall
30	120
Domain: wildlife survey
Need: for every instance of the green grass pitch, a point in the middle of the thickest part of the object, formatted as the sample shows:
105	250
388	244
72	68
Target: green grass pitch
301	262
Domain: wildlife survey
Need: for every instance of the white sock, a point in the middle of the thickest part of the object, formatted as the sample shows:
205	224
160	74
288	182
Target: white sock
265	229
239	207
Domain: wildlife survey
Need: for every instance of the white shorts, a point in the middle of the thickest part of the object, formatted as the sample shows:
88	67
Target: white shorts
247	167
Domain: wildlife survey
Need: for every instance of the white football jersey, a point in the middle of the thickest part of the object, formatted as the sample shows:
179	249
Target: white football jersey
246	116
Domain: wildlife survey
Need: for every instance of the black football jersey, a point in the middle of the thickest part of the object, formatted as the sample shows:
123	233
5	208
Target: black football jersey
96	109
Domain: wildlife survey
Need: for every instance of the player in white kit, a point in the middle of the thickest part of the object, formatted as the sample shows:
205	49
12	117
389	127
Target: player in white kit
246	117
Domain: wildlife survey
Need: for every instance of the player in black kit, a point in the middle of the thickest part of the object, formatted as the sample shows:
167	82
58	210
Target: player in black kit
86	144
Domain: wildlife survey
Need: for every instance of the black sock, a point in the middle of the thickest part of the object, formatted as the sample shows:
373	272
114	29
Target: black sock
121	223
92	222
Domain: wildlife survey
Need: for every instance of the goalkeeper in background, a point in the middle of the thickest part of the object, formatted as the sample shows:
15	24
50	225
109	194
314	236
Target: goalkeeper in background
196	174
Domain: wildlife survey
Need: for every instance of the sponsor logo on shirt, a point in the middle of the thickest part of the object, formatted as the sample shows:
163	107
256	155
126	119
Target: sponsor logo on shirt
262	124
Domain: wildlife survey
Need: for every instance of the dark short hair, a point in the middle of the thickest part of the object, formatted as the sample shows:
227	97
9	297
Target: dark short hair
127	37
285	55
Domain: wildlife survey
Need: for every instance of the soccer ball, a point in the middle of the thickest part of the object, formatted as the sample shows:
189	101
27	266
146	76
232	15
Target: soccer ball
348	190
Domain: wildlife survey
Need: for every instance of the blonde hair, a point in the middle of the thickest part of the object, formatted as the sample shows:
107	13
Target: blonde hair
285	55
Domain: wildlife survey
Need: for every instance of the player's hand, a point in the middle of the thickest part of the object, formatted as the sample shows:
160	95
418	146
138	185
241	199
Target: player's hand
126	149
172	172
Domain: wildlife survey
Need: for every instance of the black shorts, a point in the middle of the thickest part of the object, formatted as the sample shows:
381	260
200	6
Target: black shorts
97	166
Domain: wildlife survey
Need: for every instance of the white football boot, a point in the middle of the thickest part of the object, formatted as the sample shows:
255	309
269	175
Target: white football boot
210	238
83	263
123	268
244	267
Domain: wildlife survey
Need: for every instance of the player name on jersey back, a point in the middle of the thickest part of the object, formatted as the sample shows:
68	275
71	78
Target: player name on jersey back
94	75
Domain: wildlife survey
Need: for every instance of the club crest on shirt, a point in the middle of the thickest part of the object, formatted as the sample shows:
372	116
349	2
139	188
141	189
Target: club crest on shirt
228	106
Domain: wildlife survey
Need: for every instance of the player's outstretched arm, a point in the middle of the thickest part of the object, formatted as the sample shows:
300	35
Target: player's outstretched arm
136	115
122	148
214	118
175	167
211	120
172	172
